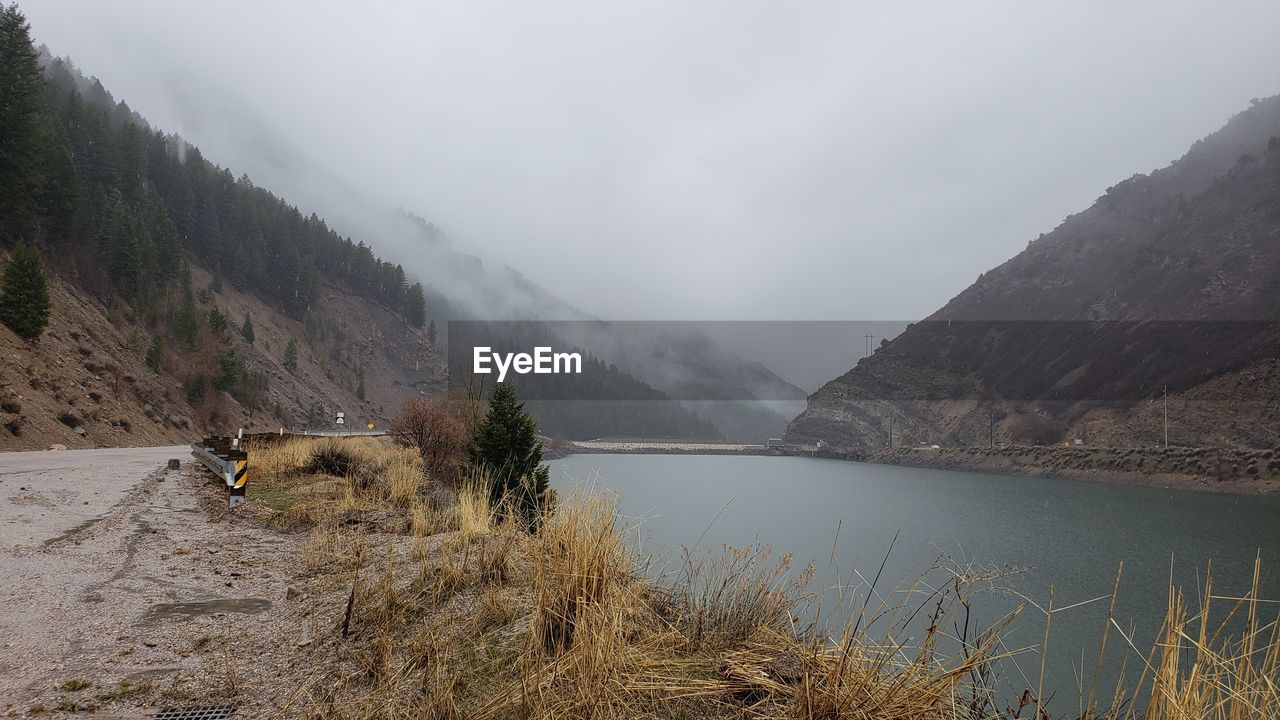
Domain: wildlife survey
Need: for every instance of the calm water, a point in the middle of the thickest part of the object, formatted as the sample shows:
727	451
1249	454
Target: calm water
1066	534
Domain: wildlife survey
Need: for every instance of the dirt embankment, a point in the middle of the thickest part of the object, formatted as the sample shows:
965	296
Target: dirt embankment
1229	470
85	382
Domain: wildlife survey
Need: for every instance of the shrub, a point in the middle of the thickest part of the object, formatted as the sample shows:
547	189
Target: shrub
196	390
68	418
428	427
331	457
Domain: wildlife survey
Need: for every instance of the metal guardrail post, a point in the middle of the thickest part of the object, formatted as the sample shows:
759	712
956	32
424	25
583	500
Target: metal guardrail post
225	460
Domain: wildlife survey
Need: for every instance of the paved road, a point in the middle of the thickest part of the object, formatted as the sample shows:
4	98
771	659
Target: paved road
46	494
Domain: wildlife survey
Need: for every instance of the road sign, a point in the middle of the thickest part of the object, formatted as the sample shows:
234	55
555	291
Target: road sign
342	419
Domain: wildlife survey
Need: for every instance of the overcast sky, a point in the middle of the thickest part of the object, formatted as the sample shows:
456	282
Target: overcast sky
695	160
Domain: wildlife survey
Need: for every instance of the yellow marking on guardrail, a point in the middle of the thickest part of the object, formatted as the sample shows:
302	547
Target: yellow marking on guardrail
242	473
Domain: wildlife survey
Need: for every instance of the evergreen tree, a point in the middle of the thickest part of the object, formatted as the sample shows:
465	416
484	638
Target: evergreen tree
24	294
431	333
230	370
124	266
155	354
246	330
60	198
416	306
186	325
291	355
217	321
504	447
196	390
21	109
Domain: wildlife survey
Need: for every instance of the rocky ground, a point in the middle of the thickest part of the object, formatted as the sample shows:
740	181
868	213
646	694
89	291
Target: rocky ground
1227	470
84	383
161	599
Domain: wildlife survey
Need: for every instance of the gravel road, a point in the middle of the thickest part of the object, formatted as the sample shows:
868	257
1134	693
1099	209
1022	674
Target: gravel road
129	588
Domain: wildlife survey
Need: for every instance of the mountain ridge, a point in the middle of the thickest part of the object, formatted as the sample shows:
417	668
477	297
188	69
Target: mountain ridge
1169	280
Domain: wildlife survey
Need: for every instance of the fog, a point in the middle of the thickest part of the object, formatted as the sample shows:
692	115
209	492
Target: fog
670	160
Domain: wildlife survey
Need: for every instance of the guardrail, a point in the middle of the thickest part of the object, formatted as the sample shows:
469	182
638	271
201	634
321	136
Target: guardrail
225	459
336	433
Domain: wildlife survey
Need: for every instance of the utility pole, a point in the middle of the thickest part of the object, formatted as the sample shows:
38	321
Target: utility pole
890	432
868	339
991	431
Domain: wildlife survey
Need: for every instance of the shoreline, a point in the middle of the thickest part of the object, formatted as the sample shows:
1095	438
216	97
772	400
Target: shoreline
1232	471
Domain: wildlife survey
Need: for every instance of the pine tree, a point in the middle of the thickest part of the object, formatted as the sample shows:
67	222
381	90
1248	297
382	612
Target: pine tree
24	294
22	139
291	355
505	448
217	321
155	354
60	198
186	325
416	306
230	370
125	266
431	333
246	330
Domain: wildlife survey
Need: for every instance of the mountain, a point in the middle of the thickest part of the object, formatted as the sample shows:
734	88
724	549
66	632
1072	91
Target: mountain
158	263
163	255
709	390
1168	283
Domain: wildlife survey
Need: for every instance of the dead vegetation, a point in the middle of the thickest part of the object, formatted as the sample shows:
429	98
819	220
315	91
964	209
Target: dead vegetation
458	613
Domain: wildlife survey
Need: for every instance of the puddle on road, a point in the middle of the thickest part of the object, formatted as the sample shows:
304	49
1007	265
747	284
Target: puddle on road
246	606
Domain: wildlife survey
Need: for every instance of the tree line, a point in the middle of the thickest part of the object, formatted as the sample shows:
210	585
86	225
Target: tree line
120	205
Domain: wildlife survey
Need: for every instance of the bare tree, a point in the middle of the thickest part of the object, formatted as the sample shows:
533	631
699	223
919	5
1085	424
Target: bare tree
427	426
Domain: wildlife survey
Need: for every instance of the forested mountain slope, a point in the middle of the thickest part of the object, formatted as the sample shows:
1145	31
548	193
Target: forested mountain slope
1170	281
157	260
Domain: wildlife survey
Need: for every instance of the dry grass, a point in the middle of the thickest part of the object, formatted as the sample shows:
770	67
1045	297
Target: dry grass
466	615
312	481
476	516
730	596
1199	669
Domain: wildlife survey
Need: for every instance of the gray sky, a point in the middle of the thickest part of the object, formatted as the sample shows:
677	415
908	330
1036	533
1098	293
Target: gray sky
705	160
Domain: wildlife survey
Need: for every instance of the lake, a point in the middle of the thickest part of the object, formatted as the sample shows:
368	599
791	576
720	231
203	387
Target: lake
1068	535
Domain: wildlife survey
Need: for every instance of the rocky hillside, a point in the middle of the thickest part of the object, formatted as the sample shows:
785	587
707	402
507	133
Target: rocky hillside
86	383
181	299
1170	282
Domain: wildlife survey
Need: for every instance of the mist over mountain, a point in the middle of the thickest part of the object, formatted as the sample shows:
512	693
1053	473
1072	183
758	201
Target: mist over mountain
1169	282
